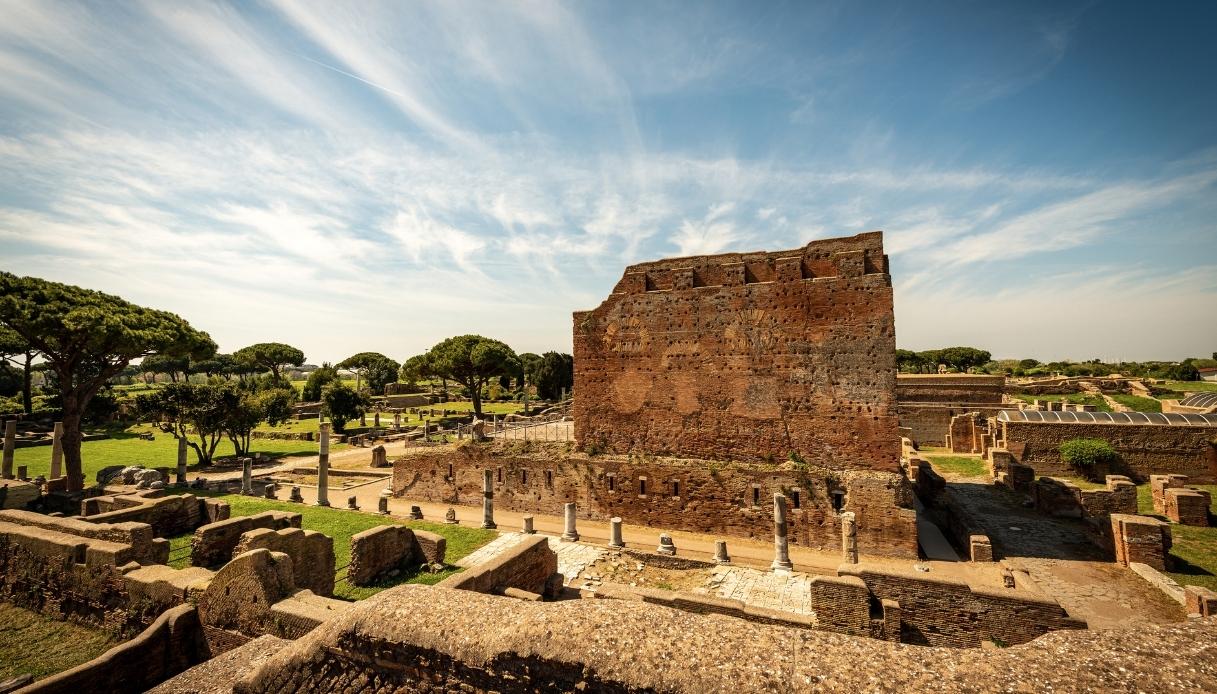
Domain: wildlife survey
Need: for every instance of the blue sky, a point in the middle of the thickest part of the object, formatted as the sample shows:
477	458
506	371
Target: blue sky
355	176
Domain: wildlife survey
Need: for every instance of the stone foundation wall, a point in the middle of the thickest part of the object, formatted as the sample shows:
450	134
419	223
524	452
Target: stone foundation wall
1144	449
1140	540
526	566
173	643
748	356
378	550
168	515
146	548
485	643
312	554
213	544
950	388
929	423
946	612
693	495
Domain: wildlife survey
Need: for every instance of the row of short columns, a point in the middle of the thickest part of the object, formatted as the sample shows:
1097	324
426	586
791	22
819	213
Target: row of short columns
10	451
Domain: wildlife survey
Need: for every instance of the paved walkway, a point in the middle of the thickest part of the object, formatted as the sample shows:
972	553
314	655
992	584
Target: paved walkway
790	592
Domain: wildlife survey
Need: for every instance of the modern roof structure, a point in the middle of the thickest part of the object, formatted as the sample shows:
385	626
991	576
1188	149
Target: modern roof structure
1201	400
1156	418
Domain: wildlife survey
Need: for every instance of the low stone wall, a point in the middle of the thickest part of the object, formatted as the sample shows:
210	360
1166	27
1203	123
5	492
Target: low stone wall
312	554
16	494
87	580
377	551
172	644
1140	539
1144	449
213	543
486	643
703	604
146	548
945	612
1064	499
929	423
527	566
703	496
169	516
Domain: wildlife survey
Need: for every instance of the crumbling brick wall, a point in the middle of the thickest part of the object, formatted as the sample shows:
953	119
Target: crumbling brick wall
745	356
950	388
378	550
212	544
169	516
1144	449
526	566
312	554
729	499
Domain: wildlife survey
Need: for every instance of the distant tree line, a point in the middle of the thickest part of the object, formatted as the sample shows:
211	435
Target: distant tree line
974	360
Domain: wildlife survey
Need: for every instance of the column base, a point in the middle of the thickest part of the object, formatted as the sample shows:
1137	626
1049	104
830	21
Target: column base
322	503
570	537
617	545
489	526
786	566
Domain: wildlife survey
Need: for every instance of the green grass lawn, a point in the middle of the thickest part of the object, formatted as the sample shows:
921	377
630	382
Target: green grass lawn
126	448
1194	549
1138	403
1079	398
341	525
1191	386
386	419
967	466
35	645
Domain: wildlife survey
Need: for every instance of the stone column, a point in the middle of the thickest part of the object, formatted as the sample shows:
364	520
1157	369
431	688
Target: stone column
488	500
571	535
382	505
849	537
57	451
416	513
528	529
363	419
247	476
10	444
666	546
376	419
396	420
323	467
720	552
781	549
615	533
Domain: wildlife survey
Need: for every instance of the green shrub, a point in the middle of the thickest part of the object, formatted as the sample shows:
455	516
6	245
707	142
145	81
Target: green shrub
1086	454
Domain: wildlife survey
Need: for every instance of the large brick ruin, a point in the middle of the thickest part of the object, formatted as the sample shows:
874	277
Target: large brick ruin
705	385
745	356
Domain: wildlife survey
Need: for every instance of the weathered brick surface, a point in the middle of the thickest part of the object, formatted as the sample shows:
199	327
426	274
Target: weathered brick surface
1144	449
138	535
168	515
730	499
1140	539
312	554
749	356
526	566
950	388
212	544
1187	506
378	550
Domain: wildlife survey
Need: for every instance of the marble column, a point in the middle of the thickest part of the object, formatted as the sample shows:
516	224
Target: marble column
615	533
720	552
781	549
488	500
247	476
570	535
323	467
528	529
57	451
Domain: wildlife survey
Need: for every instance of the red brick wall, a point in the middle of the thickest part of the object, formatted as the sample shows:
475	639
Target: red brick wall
1145	449
713	498
922	388
745	356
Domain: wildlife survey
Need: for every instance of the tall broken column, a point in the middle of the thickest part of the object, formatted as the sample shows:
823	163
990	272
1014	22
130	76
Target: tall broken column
570	534
323	467
247	476
10	444
488	500
181	462
57	451
781	548
849	537
615	539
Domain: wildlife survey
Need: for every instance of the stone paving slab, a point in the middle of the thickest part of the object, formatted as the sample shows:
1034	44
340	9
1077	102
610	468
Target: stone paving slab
790	592
573	557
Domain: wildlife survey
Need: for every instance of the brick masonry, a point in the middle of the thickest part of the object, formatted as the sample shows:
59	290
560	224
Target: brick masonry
1144	449
753	356
695	495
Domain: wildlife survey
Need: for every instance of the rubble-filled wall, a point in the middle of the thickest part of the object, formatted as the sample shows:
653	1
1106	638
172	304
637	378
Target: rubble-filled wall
730	499
746	356
476	642
950	388
1145	449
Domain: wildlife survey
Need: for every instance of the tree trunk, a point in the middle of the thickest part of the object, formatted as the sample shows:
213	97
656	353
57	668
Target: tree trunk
71	441
27	389
475	392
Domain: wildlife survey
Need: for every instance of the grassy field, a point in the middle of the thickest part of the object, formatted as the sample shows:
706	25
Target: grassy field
341	525
1193	549
966	466
35	645
1080	398
126	448
1190	386
386	419
1138	403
